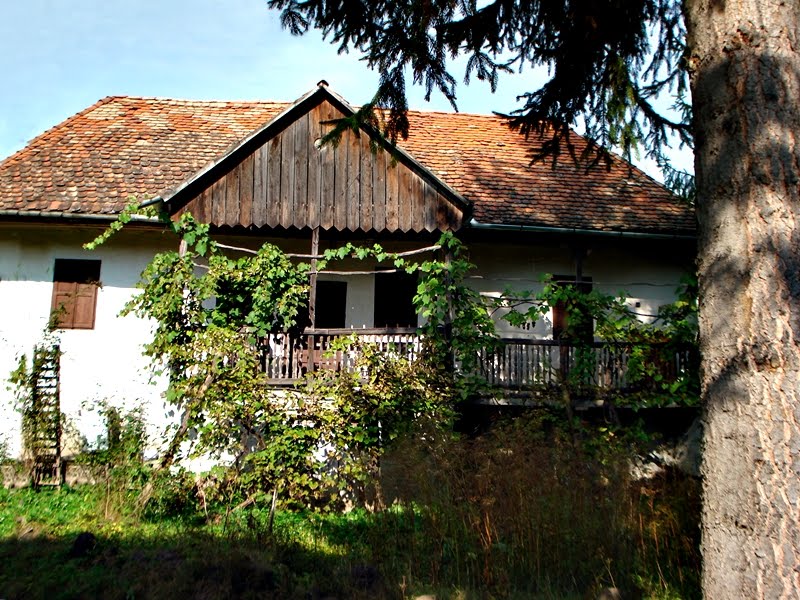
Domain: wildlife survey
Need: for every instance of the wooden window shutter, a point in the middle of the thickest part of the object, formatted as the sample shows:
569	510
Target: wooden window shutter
75	284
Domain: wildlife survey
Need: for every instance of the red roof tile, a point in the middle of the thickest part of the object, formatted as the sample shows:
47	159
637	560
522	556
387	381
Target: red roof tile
143	147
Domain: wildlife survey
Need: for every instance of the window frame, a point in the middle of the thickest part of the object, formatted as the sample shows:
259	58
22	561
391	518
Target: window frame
398	289
333	291
73	304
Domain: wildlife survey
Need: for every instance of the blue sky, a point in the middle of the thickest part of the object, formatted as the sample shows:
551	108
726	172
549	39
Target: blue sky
59	56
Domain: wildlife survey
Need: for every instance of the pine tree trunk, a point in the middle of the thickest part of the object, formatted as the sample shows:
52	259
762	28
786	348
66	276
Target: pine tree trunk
746	92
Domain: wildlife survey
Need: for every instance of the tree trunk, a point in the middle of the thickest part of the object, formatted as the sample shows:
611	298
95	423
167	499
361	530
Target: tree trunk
746	89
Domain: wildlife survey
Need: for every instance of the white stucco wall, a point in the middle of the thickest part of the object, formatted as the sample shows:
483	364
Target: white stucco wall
106	364
646	274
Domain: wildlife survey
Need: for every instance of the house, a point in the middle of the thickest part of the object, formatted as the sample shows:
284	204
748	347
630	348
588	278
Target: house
256	172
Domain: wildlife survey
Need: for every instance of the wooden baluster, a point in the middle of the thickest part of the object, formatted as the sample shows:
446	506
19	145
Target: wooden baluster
541	365
293	357
515	363
529	364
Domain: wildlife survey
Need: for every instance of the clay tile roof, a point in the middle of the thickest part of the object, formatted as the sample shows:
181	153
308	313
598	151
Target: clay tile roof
142	147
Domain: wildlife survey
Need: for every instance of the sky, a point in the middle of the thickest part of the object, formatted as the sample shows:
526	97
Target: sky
59	56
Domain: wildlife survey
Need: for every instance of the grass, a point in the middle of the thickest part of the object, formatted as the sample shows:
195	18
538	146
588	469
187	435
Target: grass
507	515
135	558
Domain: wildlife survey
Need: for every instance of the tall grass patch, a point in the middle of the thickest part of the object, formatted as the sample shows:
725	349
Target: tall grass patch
534	507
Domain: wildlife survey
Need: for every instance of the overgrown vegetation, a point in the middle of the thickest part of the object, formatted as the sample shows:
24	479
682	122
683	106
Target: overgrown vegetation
35	386
528	510
541	506
316	447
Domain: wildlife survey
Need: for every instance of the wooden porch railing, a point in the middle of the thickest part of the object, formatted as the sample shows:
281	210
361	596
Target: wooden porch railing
286	358
516	364
530	363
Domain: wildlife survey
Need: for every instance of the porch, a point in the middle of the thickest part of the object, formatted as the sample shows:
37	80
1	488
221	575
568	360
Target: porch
515	364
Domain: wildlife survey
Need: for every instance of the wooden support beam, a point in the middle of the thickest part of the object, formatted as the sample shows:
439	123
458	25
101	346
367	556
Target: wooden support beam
312	295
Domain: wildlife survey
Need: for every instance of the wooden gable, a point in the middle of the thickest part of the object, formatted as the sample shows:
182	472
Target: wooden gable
283	177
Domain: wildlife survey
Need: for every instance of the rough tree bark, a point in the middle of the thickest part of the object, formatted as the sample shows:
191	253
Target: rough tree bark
745	71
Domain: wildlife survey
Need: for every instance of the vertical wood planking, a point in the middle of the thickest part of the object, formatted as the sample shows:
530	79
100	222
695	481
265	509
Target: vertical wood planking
367	176
232	196
314	168
274	173
289	182
379	191
455	217
341	183
218	202
404	196
301	168
392	193
417	203
260	186
328	171
246	192
430	207
287	177
441	214
202	211
353	180
190	207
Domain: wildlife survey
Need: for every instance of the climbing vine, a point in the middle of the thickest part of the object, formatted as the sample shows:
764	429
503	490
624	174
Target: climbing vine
212	305
35	387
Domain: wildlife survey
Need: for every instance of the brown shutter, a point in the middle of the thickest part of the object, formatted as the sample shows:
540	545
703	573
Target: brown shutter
63	303
561	312
85	302
75	284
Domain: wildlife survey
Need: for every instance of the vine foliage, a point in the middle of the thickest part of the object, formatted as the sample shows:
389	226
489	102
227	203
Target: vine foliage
212	305
35	385
651	343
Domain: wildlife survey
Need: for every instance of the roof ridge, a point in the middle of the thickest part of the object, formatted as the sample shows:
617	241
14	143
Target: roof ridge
197	100
458	113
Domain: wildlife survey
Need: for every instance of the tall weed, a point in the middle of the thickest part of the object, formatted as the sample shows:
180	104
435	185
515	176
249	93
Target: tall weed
531	506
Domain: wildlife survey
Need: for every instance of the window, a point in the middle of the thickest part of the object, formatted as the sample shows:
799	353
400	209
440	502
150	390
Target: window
394	300
330	311
75	284
583	329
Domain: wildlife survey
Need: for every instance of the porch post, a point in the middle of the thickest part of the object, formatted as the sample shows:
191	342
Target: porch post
448	319
579	253
312	293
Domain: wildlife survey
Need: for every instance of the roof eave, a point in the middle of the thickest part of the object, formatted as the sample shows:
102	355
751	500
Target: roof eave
33	215
475	224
